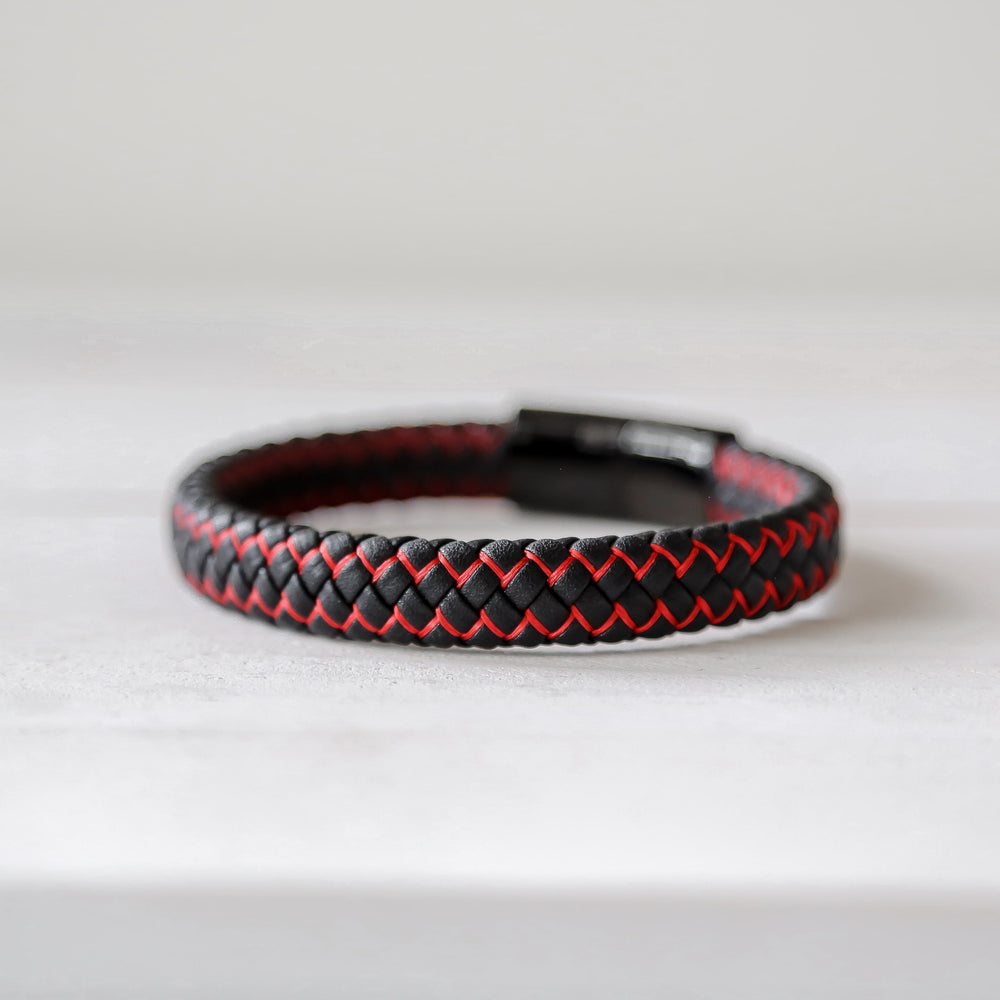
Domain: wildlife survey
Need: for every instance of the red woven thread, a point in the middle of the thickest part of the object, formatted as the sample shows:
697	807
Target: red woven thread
799	590
267	464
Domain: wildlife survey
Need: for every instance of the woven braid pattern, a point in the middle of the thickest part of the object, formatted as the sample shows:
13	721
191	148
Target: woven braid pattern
235	546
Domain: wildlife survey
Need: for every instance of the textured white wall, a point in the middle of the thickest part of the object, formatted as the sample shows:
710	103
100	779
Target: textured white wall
613	145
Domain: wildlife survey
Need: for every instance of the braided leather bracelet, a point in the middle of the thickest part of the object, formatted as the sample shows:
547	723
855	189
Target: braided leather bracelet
753	534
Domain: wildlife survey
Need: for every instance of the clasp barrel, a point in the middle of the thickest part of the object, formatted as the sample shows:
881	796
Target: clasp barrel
614	466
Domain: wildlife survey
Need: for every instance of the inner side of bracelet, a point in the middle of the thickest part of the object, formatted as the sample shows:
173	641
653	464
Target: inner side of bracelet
740	534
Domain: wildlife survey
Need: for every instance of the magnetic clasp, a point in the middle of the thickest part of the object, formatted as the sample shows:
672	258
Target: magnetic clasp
615	466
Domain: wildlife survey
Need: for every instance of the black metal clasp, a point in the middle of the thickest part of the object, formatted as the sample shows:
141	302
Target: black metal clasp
647	470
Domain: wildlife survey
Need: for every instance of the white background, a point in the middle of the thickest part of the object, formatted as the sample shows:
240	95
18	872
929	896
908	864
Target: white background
221	222
602	146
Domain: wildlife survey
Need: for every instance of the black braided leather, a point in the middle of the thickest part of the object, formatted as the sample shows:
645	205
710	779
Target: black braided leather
235	546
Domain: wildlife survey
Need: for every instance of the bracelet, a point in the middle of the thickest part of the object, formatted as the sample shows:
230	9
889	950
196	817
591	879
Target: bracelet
750	534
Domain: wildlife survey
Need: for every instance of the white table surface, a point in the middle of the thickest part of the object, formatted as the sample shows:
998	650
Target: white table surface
194	804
